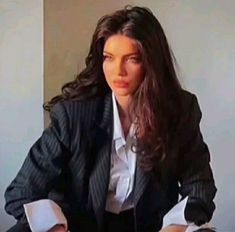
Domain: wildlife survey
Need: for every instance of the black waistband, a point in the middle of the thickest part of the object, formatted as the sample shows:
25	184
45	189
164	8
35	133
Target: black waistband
124	213
122	222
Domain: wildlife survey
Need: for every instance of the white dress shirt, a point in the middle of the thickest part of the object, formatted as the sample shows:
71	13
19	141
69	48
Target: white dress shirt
123	164
119	198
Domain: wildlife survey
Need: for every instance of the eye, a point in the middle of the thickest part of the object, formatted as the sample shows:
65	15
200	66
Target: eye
107	57
134	59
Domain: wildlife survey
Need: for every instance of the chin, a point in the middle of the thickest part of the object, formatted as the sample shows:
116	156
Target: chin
122	93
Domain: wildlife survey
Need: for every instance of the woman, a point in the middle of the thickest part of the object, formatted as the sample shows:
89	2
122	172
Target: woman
123	143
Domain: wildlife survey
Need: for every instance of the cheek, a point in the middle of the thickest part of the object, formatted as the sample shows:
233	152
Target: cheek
138	75
138	78
106	69
138	82
107	72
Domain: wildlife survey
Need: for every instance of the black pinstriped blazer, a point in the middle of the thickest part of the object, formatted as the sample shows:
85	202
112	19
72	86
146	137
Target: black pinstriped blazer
72	159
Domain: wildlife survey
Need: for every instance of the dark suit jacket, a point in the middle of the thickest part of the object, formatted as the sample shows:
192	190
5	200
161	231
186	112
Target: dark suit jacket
73	157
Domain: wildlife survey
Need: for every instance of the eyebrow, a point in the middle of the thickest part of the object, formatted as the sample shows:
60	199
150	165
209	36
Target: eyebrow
129	54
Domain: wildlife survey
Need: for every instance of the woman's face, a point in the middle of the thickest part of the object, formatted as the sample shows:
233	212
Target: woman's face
122	65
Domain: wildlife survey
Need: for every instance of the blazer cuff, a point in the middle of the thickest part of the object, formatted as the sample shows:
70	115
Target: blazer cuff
44	214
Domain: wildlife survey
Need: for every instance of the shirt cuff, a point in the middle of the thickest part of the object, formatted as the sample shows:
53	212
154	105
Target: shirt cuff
44	214
176	217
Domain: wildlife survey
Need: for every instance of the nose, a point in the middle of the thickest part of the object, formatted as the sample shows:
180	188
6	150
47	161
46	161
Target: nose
120	68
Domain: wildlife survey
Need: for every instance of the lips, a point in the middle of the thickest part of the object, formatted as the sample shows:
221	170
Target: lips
121	84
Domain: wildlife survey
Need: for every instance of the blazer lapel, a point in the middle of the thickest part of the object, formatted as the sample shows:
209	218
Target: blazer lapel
101	146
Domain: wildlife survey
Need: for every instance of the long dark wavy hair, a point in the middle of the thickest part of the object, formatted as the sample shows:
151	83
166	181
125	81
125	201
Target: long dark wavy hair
156	103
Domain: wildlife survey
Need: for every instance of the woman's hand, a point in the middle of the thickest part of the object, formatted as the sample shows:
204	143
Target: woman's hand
58	228
174	228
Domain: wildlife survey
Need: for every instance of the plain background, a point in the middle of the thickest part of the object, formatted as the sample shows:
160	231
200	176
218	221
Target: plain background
200	32
21	87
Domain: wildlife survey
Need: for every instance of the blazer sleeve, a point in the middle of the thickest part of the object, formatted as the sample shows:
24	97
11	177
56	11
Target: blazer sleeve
42	166
196	178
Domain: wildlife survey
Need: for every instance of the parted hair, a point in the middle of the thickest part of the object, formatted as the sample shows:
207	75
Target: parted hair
156	103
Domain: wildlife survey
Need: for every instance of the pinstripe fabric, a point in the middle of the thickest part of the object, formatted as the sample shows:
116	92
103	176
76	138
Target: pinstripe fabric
141	181
99	178
196	178
73	156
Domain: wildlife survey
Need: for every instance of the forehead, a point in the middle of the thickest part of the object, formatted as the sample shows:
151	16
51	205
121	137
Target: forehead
121	44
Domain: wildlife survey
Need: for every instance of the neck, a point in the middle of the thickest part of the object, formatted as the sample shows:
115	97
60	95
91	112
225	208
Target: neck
123	104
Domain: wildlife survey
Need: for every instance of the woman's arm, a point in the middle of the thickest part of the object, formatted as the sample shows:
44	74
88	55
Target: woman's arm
42	166
195	175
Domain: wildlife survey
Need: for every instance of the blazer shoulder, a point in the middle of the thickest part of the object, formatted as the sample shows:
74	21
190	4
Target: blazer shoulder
191	113
71	105
85	104
187	97
189	101
82	111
